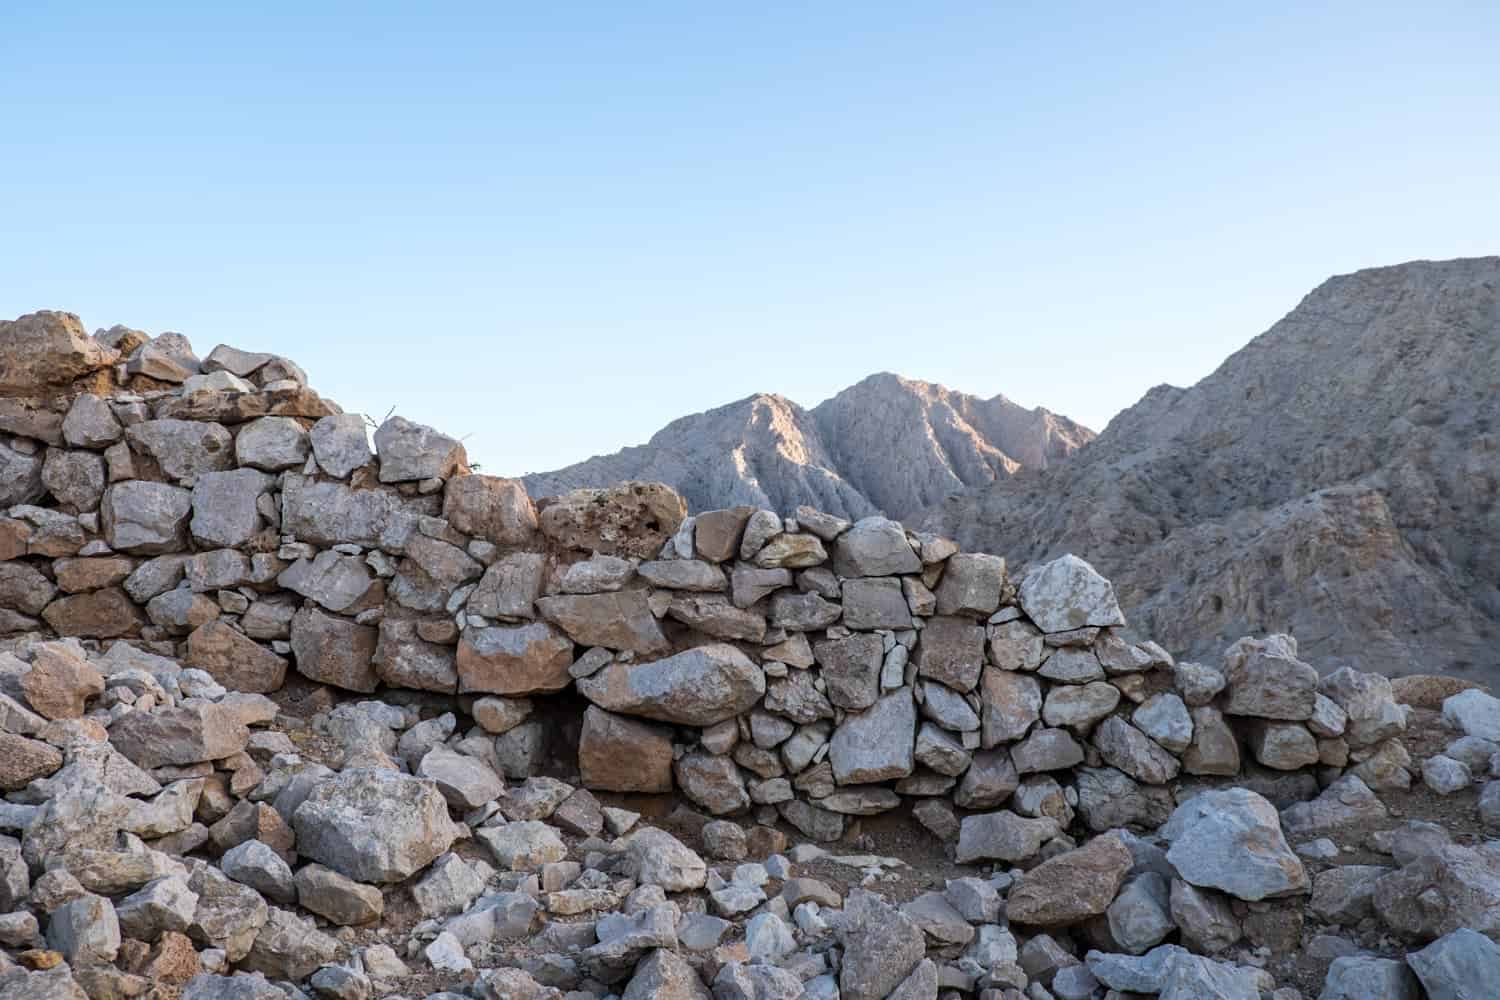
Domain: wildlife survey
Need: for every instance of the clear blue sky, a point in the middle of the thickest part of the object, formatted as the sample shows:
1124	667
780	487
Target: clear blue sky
554	227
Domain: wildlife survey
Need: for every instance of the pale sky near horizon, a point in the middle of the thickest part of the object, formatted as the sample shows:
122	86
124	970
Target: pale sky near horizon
551	229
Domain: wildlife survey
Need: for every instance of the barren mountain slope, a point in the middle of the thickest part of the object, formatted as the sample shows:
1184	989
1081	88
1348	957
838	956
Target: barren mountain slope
887	444
1336	478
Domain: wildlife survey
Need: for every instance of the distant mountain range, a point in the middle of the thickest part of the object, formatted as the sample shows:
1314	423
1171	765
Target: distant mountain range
885	445
1338	478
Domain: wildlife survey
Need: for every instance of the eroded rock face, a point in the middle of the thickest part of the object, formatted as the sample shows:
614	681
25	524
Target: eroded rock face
631	520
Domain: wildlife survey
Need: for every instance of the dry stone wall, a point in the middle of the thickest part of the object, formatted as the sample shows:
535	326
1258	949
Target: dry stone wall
221	512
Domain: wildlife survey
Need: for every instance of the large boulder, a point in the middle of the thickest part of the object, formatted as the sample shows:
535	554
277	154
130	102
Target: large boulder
882	946
374	826
617	620
631	519
697	687
620	754
42	351
185	449
1460	965
181	735
1072	886
1067	593
877	744
226	507
146	518
410	451
340	443
1231	839
1265	679
234	659
333	650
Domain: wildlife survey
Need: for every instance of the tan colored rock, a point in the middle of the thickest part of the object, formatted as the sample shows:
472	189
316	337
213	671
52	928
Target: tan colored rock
620	754
44	350
631	519
1429	690
1072	886
497	510
59	683
77	575
514	660
22	760
99	614
187	734
234	659
619	620
717	533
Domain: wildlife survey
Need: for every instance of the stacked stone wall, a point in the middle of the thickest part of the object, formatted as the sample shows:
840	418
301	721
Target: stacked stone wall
221	512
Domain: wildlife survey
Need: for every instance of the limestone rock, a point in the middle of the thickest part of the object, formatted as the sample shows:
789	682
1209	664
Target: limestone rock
1003	836
1231	839
620	620
374	826
877	744
519	660
1265	679
334	650
182	735
620	754
146	518
631	519
410	452
697	687
1068	593
881	944
47	349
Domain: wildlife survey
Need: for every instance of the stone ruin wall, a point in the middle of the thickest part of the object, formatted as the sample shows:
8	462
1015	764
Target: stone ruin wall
221	512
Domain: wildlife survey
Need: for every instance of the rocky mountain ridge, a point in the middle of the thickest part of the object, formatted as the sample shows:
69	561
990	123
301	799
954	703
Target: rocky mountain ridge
1336	479
884	445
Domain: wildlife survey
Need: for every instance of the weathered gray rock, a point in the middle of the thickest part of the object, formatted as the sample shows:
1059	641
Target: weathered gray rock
1011	702
340	443
1366	977
1345	894
1079	706
466	782
1108	799
874	546
161	905
661	859
1205	917
337	899
1140	916
185	449
410	452
875	602
877	744
1165	719
1264	678
186	734
146	518
697	687
90	423
1046	750
951	651
665	976
971	584
75	478
403	659
289	947
374	826
1460	965
881	947
1003	836
258	866
226	507
329	514
336	581
1231	839
1068	593
85	930
334	650
1072	665
1072	886
1474	712
1441	891
712	782
271	444
851	669
1346	802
